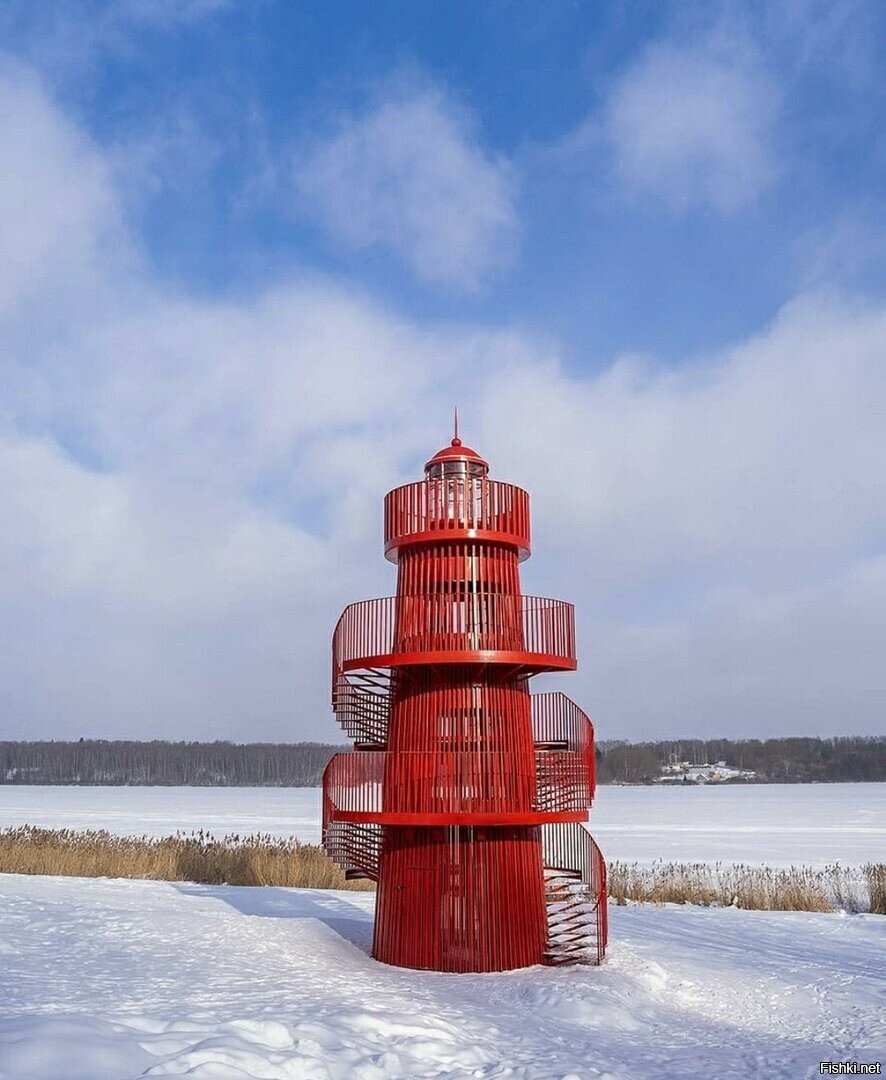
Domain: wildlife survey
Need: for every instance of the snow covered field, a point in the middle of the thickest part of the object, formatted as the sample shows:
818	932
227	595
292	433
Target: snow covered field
110	980
773	823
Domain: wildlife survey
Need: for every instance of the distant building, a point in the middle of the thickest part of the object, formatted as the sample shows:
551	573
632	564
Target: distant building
678	771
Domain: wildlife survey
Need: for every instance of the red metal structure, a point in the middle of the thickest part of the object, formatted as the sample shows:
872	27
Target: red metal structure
464	795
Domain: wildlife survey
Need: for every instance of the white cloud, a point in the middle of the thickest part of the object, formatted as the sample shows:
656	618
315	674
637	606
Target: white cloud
190	490
63	40
57	209
410	177
692	124
765	453
723	526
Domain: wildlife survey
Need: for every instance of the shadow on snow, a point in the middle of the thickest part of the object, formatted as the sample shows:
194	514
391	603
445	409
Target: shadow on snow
267	901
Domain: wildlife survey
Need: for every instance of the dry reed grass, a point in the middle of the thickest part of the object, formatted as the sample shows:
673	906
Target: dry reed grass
875	878
755	888
232	860
265	860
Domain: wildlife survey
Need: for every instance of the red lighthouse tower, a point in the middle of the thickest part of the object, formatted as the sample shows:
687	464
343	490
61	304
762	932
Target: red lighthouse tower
464	795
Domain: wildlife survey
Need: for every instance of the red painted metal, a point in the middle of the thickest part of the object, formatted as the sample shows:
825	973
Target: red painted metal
465	793
443	508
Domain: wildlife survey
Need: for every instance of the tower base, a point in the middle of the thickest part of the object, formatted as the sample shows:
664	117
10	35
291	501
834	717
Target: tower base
461	899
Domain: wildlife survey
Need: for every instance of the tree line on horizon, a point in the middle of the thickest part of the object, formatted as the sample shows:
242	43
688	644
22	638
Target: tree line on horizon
179	764
226	764
798	759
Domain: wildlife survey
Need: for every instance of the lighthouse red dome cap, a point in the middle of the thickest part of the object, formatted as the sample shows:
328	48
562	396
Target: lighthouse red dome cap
456	459
457	453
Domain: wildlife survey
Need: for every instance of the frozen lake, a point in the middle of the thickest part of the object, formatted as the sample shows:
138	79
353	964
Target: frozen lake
777	824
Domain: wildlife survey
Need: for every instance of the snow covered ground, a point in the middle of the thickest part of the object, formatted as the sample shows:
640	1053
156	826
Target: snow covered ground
110	980
102	980
762	823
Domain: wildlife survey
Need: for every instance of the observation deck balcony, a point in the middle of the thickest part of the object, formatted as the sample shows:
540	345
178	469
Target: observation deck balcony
446	787
528	632
456	508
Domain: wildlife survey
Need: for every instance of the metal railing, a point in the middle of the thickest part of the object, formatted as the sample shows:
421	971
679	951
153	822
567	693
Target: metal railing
455	622
356	848
558	723
451	782
569	846
557	719
565	783
362	705
569	849
455	504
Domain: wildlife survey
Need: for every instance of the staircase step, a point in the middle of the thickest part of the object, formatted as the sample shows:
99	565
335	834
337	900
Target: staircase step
575	910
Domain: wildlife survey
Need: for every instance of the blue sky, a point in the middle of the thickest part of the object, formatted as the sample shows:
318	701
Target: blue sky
227	101
254	252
